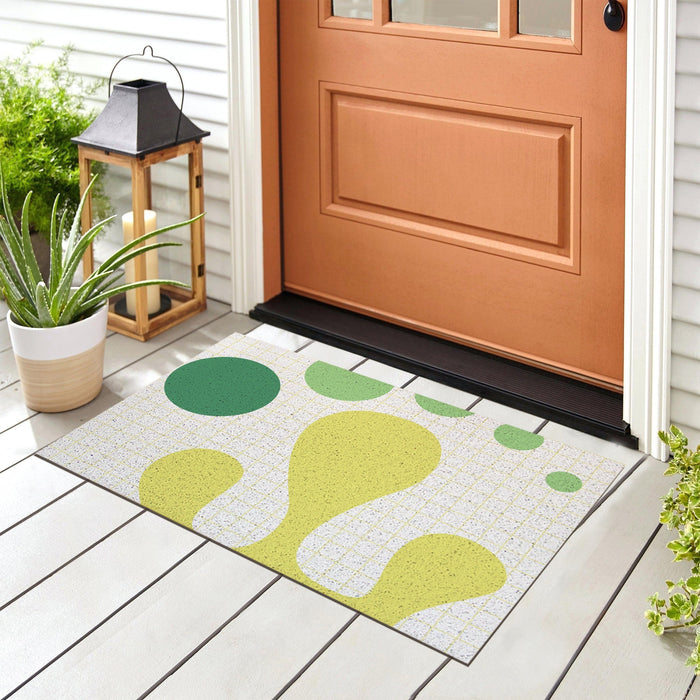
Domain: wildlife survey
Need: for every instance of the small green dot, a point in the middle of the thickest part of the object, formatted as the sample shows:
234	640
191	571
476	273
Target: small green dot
566	482
517	438
439	408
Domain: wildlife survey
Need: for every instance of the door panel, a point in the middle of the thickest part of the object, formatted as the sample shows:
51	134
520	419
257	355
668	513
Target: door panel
468	155
468	186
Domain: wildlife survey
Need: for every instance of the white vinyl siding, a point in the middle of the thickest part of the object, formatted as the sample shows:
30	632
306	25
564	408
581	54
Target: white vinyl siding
685	361
194	37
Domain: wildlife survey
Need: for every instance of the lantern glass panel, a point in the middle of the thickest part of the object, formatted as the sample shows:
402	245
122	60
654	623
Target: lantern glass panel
171	202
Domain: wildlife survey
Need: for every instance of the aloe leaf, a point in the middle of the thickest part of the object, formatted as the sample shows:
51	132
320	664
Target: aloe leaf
43	306
110	262
140	251
12	274
9	231
133	285
22	314
75	227
75	255
55	245
13	297
71	265
96	283
31	265
70	311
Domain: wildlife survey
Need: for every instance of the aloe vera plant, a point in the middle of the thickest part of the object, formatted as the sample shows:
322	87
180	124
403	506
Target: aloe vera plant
39	303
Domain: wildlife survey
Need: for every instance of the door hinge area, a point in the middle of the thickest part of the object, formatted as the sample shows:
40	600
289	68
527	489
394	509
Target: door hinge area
197	181
200	270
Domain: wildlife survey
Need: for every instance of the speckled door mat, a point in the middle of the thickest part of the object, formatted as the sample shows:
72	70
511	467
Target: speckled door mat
415	512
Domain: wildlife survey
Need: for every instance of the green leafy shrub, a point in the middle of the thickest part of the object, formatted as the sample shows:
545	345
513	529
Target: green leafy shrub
41	108
681	512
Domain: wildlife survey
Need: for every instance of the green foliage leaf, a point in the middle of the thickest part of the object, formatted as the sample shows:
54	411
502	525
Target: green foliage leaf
681	512
42	108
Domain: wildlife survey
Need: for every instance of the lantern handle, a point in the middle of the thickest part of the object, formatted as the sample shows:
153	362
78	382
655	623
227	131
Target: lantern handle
162	58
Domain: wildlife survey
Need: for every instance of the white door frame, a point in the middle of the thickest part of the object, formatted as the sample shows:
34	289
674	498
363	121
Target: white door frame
651	49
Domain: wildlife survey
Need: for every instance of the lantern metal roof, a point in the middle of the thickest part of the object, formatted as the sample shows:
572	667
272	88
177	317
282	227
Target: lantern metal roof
140	117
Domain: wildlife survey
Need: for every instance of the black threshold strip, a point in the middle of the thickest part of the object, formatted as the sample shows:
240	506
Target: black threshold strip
560	399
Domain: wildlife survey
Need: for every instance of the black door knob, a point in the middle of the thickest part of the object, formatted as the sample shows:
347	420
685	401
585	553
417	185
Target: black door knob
614	16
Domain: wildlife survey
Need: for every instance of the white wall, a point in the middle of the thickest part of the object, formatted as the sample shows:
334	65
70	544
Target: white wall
685	362
193	35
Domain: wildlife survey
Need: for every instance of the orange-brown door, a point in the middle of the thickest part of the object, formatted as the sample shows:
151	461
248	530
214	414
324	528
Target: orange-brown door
466	181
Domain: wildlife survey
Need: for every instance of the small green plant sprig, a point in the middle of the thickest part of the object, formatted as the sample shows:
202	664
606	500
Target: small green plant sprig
39	303
681	512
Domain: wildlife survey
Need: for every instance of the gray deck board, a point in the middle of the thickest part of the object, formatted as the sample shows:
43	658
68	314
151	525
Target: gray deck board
140	645
41	544
260	651
643	665
29	486
43	623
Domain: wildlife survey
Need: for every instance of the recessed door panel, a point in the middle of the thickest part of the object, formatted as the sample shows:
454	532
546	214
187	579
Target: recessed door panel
472	159
467	182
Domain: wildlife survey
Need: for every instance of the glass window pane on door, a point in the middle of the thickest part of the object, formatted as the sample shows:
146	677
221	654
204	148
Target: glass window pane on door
355	9
463	14
545	18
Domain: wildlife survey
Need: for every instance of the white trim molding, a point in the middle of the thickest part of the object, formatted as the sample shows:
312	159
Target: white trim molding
651	51
245	155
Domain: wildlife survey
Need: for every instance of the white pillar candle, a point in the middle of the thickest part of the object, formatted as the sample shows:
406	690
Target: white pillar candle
153	290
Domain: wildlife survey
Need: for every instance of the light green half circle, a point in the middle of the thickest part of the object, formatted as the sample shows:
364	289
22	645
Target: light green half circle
440	408
180	484
517	438
338	383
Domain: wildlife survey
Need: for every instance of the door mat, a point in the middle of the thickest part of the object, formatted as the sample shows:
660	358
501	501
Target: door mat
417	513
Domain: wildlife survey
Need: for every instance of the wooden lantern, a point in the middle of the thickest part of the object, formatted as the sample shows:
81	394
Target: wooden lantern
140	127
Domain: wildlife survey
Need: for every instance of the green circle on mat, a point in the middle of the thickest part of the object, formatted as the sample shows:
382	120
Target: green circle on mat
338	383
222	386
439	408
563	481
517	438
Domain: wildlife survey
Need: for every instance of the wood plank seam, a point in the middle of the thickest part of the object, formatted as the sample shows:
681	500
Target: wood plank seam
109	617
316	656
612	490
540	427
46	505
206	641
426	682
603	612
71	560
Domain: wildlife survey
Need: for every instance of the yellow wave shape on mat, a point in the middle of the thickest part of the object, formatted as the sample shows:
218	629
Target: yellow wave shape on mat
339	462
347	459
180	484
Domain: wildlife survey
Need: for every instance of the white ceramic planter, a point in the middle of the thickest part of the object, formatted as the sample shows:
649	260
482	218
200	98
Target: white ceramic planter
60	368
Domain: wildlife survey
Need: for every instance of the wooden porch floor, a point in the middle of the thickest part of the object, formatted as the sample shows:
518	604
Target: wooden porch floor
101	599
